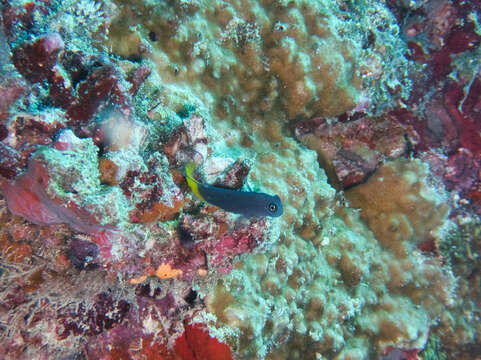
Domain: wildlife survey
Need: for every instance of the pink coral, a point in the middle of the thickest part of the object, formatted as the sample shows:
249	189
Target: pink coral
351	151
11	89
27	197
400	354
36	61
207	243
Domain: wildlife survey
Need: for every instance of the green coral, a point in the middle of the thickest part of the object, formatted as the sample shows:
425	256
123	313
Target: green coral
74	178
461	245
434	349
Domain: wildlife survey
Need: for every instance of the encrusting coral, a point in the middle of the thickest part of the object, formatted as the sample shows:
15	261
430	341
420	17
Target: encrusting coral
340	287
259	58
399	206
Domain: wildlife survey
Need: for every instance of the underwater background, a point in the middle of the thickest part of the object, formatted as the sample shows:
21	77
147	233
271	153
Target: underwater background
363	117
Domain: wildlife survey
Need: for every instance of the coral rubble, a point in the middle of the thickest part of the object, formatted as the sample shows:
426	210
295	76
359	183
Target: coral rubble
364	117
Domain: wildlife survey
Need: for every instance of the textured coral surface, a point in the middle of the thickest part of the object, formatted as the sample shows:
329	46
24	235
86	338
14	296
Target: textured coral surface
364	117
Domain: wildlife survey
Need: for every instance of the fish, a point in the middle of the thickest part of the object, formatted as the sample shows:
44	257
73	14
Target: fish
246	203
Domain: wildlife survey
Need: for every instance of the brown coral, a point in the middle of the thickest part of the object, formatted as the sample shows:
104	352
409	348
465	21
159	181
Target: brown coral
399	205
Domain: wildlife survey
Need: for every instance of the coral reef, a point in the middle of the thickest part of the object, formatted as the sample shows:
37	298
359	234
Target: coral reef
398	205
362	116
272	57
314	291
352	151
444	106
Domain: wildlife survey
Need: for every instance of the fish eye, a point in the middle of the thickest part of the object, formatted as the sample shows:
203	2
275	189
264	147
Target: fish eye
272	207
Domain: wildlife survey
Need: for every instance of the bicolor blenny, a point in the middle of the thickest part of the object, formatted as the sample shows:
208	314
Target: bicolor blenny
247	203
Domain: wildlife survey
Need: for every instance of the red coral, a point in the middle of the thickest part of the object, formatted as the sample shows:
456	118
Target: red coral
153	350
11	162
434	128
195	344
417	52
14	251
440	21
462	40
466	110
76	65
177	146
400	354
461	170
450	119
220	243
438	31
441	64
91	320
240	242
234	176
20	17
32	130
351	151
27	196
81	252
451	122
102	84
155	199
187	141
36	60
11	89
127	341
137	77
3	132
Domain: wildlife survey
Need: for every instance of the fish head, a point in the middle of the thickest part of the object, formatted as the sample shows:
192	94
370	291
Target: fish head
273	206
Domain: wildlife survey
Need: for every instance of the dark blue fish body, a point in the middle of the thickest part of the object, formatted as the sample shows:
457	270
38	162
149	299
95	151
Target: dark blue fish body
247	203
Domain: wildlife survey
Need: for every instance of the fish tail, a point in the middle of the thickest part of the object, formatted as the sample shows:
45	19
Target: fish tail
188	170
189	177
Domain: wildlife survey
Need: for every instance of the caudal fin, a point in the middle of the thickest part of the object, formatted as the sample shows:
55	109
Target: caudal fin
189	177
